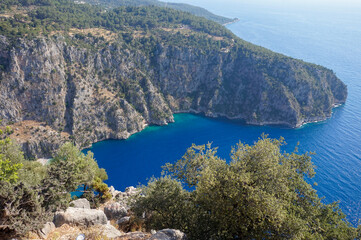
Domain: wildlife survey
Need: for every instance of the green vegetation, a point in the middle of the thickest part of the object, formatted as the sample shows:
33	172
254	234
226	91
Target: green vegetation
198	11
61	15
260	194
31	193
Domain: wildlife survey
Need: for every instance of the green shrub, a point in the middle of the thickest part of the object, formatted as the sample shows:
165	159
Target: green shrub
260	194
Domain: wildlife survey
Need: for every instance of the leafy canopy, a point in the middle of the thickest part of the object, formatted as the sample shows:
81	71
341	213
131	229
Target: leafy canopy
30	193
260	194
10	158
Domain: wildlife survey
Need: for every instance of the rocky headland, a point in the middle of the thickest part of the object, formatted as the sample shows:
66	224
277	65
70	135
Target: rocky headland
88	85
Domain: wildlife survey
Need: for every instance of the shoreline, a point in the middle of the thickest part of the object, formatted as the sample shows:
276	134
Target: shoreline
224	116
234	21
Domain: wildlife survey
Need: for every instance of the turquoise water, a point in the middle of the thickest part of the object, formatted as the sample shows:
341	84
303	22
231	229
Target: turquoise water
326	36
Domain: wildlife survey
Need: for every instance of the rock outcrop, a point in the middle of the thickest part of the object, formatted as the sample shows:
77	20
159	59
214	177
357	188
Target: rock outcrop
44	232
168	234
115	211
63	92
80	217
93	223
109	231
80	203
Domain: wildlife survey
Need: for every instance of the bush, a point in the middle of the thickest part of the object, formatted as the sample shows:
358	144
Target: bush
30	193
20	210
260	194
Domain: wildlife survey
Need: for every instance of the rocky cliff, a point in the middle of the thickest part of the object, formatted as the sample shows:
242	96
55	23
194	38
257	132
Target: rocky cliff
56	89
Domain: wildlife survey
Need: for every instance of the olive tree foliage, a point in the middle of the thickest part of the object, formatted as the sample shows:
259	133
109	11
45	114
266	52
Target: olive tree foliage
30	193
10	158
21	210
20	205
70	169
260	194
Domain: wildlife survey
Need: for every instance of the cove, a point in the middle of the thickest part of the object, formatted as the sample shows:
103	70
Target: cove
329	37
134	160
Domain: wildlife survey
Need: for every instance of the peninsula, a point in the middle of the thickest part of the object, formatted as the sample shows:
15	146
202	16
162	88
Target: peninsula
82	73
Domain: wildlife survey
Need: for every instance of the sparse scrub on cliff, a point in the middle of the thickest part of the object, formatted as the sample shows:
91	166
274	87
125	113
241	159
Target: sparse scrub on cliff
260	194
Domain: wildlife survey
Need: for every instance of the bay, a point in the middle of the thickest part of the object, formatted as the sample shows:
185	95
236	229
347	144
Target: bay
328	35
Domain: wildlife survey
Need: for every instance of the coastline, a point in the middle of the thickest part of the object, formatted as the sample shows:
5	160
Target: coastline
238	117
234	21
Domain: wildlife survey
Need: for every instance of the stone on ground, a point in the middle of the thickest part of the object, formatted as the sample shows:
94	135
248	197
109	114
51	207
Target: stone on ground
80	217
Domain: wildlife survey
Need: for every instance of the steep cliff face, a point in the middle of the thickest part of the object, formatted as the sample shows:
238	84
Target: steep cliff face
249	86
88	95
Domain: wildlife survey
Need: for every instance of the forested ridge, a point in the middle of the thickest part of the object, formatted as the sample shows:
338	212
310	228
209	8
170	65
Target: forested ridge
45	16
198	11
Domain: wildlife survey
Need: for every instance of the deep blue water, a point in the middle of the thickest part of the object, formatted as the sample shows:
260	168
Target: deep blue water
326	36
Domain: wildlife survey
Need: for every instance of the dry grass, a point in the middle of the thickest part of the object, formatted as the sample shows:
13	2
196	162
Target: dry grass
97	32
103	92
17	10
25	130
64	231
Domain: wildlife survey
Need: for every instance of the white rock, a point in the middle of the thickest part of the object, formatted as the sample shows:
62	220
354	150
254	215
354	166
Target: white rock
80	217
123	220
48	227
168	234
110	232
80	203
113	192
115	210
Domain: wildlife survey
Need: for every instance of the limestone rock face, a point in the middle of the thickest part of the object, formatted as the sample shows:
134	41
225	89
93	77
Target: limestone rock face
58	92
80	217
168	234
113	192
80	203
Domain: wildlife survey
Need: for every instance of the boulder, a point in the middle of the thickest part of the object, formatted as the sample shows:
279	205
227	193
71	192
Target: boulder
110	232
80	217
80	203
135	236
115	211
48	228
168	234
123	220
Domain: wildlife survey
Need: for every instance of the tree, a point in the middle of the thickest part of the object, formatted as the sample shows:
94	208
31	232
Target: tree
10	158
70	169
20	210
8	170
20	205
31	193
260	194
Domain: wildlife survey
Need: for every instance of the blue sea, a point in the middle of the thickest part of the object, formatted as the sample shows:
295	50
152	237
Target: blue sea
328	35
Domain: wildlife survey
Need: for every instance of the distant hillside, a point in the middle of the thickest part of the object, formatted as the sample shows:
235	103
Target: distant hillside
198	11
77	72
